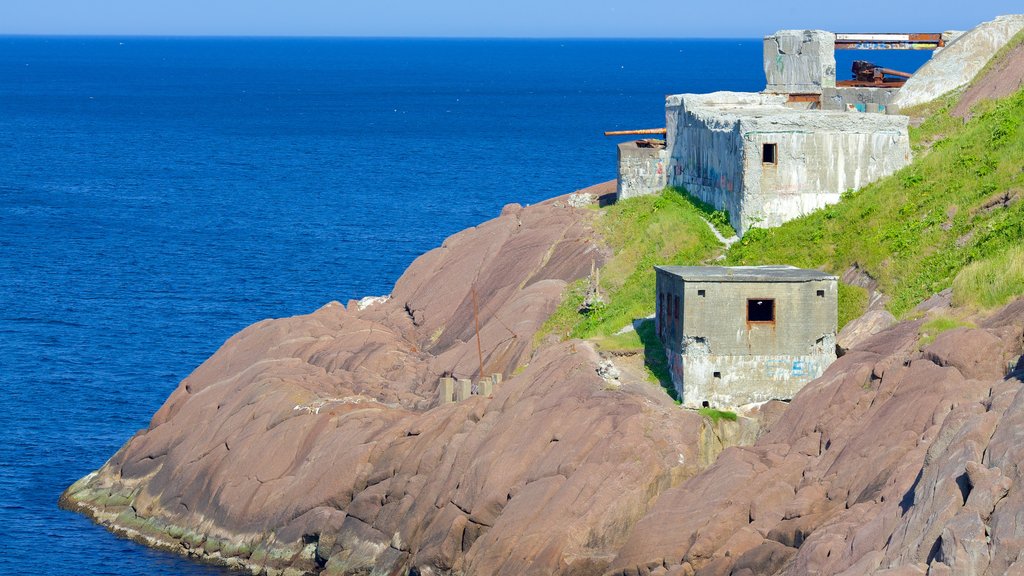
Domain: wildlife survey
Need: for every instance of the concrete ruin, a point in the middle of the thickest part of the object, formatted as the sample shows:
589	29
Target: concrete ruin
766	163
772	156
643	168
737	335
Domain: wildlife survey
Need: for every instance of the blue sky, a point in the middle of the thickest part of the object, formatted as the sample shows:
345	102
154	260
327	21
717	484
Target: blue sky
509	18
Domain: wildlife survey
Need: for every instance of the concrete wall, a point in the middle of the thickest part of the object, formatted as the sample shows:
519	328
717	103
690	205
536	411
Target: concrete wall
715	143
642	169
754	362
800	61
840	98
705	148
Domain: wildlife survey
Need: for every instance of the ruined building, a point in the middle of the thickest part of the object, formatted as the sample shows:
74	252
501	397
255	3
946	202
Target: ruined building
769	157
736	335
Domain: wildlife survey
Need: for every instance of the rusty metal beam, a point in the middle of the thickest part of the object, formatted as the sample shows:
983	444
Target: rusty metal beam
661	131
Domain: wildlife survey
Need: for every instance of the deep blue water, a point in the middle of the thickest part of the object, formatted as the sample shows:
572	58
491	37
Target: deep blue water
158	195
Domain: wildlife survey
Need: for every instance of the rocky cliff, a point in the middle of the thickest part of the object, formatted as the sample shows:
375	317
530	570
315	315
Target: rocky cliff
317	443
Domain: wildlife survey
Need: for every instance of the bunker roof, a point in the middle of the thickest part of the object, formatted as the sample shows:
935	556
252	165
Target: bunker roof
773	273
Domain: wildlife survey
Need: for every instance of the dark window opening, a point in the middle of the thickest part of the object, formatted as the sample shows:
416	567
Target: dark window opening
718	374
705	404
821	293
760	310
676	305
700	293
769	153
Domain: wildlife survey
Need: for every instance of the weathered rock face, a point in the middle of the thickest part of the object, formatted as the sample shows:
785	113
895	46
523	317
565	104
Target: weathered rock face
315	443
894	461
959	62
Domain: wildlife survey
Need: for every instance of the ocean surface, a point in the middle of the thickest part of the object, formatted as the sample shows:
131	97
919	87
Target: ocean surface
158	195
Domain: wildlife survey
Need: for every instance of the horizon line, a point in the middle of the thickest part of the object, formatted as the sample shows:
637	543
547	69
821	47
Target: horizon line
355	37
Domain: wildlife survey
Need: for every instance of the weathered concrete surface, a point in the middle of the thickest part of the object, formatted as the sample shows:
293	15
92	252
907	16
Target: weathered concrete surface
314	444
643	169
716	143
799	61
959	62
716	354
839	98
893	462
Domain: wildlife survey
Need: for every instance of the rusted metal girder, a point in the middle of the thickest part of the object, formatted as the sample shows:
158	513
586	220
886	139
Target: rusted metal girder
886	41
661	131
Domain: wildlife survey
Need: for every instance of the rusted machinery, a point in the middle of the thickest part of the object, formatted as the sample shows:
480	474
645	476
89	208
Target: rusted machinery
867	74
642	132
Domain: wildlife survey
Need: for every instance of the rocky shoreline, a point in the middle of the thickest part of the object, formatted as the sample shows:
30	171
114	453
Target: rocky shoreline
315	445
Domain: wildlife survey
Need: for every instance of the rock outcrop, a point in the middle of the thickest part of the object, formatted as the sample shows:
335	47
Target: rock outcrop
959	62
317	443
896	461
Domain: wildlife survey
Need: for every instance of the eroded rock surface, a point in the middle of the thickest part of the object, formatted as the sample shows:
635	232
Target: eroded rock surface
317	443
896	461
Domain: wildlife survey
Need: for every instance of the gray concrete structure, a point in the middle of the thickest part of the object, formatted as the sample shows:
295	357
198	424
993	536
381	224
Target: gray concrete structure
463	389
766	163
736	335
642	168
446	390
800	61
841	99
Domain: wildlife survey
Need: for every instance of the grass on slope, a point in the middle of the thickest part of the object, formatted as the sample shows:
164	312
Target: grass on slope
992	282
916	230
642	232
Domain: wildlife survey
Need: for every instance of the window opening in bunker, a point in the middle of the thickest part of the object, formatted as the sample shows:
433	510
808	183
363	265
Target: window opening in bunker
821	293
717	374
762	310
769	153
676	306
700	293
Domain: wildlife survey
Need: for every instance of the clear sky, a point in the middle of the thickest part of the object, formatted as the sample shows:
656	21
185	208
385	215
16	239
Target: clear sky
508	18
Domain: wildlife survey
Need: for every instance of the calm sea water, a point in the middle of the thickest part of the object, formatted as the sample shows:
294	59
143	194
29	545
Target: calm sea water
158	195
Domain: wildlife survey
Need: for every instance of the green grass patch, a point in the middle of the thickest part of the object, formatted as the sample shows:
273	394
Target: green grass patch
915	230
716	415
852	303
992	282
642	232
931	329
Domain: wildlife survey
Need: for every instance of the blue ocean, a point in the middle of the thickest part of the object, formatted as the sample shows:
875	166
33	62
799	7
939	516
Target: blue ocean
159	195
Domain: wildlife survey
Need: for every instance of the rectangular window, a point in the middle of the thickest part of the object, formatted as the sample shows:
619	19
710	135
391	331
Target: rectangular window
761	310
821	293
701	293
676	305
769	153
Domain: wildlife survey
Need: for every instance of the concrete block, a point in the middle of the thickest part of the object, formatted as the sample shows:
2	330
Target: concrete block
446	390
642	169
486	387
800	61
463	389
765	163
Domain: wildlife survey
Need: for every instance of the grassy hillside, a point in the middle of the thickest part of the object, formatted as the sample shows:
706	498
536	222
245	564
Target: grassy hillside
914	231
642	232
954	217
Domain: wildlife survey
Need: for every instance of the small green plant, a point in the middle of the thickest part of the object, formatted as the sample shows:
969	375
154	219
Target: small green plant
715	415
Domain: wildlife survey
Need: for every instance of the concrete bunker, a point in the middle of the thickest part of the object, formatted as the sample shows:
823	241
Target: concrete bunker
737	335
776	155
765	162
